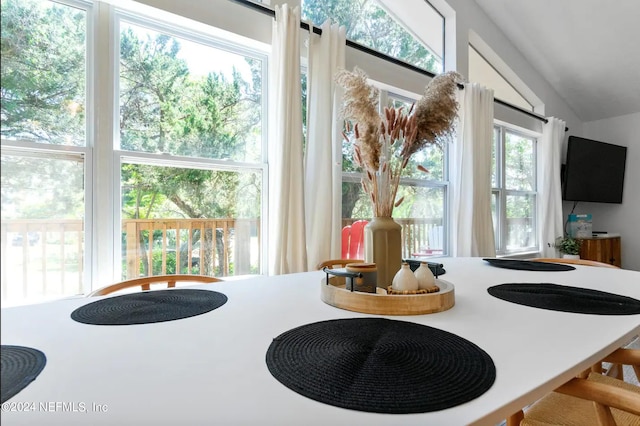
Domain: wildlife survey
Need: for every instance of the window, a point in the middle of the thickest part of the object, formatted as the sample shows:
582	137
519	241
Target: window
379	26
423	211
514	191
186	191
192	167
135	144
45	149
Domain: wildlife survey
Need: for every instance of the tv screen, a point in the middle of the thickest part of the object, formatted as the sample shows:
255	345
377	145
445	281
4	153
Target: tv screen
594	171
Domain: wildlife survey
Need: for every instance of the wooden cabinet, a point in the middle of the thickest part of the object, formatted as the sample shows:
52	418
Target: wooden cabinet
601	249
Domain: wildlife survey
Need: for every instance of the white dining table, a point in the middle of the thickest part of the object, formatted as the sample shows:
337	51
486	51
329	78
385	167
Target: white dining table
210	368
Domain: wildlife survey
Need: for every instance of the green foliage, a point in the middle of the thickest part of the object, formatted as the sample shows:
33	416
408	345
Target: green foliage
157	262
368	24
54	192
568	245
43	65
166	109
519	173
164	106
163	109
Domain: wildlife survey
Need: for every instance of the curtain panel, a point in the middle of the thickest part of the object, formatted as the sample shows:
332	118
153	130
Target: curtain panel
550	220
472	227
287	244
323	155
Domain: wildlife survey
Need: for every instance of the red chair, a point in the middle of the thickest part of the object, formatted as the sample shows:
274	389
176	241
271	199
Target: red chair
353	240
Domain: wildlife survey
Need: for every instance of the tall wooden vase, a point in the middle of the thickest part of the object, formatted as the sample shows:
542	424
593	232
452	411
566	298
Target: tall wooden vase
383	246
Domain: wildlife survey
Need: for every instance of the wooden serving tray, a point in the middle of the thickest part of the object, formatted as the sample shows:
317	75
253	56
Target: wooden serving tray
381	303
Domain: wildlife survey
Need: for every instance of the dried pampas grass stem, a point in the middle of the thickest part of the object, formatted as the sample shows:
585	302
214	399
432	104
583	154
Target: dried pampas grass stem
383	143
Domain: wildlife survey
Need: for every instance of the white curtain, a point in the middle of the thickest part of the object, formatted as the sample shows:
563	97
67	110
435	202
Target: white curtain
472	227
550	220
323	156
287	246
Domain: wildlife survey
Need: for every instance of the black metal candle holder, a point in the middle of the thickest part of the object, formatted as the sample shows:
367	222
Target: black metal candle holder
350	276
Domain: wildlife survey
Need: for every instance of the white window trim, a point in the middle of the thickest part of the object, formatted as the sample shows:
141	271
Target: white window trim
500	228
109	158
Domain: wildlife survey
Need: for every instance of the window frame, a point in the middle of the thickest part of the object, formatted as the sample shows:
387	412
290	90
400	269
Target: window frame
85	153
170	160
390	14
500	192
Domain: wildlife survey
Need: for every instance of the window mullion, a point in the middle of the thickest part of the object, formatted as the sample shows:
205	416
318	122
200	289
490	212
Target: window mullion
502	197
103	81
504	225
503	220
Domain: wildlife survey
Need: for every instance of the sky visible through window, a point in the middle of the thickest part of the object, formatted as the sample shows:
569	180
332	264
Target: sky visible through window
201	59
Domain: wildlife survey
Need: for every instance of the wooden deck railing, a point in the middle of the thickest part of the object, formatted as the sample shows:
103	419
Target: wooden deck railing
217	247
46	257
42	256
420	237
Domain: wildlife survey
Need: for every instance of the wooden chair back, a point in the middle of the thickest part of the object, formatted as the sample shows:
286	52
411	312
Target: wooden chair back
337	263
145	283
588	399
573	262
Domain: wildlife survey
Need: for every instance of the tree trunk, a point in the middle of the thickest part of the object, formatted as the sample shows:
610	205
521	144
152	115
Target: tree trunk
350	195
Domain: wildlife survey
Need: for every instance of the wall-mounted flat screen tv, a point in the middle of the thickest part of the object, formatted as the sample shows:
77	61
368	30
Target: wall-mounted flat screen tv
594	171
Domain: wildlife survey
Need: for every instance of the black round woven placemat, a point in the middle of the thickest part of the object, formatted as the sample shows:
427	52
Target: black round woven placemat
149	307
380	365
19	366
528	265
557	297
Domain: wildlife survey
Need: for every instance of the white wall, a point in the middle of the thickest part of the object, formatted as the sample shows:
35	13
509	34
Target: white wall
472	22
619	218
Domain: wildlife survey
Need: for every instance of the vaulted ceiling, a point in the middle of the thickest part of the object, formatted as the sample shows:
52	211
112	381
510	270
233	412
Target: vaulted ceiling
588	50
